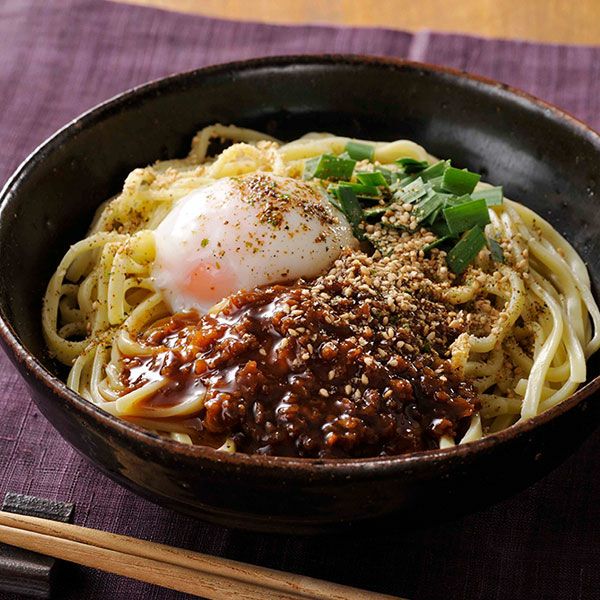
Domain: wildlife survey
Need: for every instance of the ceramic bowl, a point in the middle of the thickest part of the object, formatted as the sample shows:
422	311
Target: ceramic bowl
543	158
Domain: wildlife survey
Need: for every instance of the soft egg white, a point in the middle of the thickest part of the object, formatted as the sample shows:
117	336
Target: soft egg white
241	232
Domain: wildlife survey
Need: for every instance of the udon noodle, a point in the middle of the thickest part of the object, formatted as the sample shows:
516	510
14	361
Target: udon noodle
529	320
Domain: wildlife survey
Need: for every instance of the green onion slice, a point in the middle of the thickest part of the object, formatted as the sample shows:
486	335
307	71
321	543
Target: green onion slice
436	184
328	166
361	190
459	182
466	215
445	198
435	170
432	172
360	151
374	211
351	208
433	217
457	200
466	250
333	199
389	175
440	229
410	165
310	166
427	206
436	243
495	250
376	178
413	191
494	196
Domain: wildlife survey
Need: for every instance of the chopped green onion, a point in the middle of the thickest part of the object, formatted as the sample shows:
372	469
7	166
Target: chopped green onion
495	250
432	218
436	243
374	211
389	176
359	151
375	178
328	166
440	229
459	182
445	198
466	250
351	208
458	200
427	206
432	172
310	166
494	196
435	170
436	183
361	190
413	191
332	197
410	165
466	215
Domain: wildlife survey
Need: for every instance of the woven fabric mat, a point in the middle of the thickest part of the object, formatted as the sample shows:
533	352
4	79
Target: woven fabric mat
57	59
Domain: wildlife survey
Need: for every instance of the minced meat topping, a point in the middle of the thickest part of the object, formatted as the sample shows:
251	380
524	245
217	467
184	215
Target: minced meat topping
355	363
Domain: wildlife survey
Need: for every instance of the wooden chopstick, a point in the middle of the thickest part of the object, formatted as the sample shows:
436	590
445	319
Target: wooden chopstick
174	568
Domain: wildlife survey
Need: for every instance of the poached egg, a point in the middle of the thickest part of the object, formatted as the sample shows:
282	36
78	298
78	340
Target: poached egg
242	232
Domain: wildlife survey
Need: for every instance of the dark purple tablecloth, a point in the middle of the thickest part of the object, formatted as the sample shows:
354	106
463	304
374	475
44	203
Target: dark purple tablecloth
58	58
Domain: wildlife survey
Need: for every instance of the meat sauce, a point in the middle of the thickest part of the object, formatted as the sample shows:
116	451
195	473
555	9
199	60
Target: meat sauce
286	372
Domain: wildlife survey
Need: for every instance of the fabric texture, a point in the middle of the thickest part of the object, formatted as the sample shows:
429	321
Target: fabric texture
59	58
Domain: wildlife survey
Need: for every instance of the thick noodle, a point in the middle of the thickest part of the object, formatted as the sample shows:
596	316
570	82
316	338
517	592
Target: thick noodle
102	294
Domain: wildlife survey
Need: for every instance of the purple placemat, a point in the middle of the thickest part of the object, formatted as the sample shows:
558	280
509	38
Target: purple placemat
58	58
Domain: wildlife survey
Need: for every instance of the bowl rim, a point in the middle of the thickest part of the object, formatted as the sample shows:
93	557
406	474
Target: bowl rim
330	466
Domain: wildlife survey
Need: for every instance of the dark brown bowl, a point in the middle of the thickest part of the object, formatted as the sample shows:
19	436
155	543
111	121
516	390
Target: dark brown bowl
544	158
